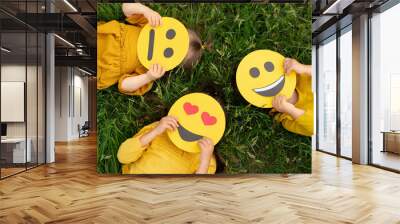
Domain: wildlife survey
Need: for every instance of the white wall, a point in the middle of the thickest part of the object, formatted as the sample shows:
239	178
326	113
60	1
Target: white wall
62	81
70	83
13	73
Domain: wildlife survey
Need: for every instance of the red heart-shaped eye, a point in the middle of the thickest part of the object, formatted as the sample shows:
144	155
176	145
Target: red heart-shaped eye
190	109
208	119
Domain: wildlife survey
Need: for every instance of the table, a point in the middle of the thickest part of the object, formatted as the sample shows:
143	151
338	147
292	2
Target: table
13	150
391	141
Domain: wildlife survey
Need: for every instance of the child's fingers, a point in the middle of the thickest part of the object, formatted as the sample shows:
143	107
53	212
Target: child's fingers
152	21
173	117
155	20
158	69
274	102
162	70
288	65
158	20
175	122
201	144
207	141
169	126
172	123
210	142
155	68
278	101
169	117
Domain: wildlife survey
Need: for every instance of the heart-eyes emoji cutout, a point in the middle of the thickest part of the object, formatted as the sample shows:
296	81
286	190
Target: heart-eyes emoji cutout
199	116
208	119
190	109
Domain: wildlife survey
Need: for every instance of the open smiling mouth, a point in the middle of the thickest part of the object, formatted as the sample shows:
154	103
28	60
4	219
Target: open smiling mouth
187	135
273	89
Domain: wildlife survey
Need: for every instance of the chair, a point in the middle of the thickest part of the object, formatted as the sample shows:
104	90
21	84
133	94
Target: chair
84	130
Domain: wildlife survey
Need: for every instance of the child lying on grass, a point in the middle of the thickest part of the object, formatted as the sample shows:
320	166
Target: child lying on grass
296	113
117	61
151	151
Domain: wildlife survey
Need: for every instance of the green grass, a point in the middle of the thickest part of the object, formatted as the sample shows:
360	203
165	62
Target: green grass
253	142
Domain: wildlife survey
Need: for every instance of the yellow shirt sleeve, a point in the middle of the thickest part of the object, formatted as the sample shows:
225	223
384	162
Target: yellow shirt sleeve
111	27
142	90
303	125
108	37
131	149
137	20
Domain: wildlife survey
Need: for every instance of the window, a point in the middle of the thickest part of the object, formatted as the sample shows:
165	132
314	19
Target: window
385	89
327	96
22	77
346	75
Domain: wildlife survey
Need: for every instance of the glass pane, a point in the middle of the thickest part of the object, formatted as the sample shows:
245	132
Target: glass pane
13	86
327	96
31	98
41	99
32	87
346	94
385	86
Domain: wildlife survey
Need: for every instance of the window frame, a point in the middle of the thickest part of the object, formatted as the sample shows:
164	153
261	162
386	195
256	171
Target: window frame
337	34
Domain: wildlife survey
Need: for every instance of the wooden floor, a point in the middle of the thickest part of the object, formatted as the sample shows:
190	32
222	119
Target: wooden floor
387	159
70	191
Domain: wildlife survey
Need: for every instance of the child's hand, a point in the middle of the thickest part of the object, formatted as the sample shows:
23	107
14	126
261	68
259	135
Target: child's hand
207	149
152	16
168	122
291	64
281	105
156	71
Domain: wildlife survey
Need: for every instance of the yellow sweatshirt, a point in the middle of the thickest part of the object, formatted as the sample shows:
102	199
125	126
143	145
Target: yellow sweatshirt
303	125
161	156
116	53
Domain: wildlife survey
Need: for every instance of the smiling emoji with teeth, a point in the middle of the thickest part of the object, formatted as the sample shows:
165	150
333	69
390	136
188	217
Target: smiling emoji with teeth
260	77
166	44
199	115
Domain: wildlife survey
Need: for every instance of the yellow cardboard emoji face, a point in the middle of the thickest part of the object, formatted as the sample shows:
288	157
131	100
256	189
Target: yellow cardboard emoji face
166	44
199	115
260	77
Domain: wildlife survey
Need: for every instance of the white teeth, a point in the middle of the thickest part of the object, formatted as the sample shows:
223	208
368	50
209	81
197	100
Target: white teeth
273	85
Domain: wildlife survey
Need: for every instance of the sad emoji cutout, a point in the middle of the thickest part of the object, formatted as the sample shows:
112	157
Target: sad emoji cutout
166	44
260	77
199	115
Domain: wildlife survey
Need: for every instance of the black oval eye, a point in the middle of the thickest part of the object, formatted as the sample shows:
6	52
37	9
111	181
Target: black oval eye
254	72
168	52
170	34
269	66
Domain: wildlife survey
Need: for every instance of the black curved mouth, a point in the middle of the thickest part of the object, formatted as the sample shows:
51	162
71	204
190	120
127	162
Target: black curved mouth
272	89
188	135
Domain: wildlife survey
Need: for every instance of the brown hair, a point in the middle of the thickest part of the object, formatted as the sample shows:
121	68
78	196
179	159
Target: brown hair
196	49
